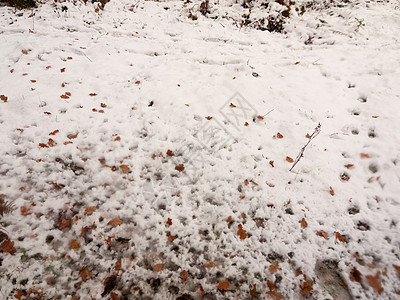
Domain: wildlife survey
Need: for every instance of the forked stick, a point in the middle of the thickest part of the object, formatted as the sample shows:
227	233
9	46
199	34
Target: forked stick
317	130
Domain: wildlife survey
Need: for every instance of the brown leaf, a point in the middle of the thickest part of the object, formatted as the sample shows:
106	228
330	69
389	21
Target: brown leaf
339	237
180	168
25	211
355	275
331	191
253	292
3	98
48	67
323	234
303	223
223	285
374	282
275	295
67	93
124	168
118	265
397	269
64	97
8	247
158	267
114	296
246	182
260	117
89	210
62	70
84	273
289	159
208	118
115	222
169	222
241	232
171	238
349	166
232	105
74	245
210	264
72	136
170	152
64	224
229	219
103	105
279	136
184	275
306	288
364	155
273	268
271	162
24	52
92	94
243	215
54	132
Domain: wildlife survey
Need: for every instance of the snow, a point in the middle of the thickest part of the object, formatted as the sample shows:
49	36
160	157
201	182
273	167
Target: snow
159	75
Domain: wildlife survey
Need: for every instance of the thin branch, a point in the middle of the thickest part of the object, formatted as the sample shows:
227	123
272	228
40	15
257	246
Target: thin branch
317	130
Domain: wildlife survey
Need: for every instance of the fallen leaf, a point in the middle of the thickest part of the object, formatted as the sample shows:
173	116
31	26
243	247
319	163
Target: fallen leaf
74	245
232	105
210	264
241	232
253	292
323	234
303	223
397	269
24	52
223	285
3	98
331	191
62	70
114	296
246	124
170	152
25	211
54	132
339	237
208	118
308	136
8	247
349	166
271	162
364	155
31	31
124	168
260	117
158	267
273	268
64	97
85	274
246	182
184	275
306	288
180	168
72	136
115	222
171	238
169	222
48	67
92	94
89	210
64	224
297	62
103	105
374	282
355	275
33	80
289	159
375	117
279	136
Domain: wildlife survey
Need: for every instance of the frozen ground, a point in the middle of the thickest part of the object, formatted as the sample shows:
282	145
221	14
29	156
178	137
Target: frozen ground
138	172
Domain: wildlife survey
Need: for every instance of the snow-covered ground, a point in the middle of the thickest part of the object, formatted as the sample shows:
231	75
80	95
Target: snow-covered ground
148	153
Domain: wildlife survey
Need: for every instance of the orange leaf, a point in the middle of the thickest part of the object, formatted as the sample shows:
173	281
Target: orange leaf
48	67
103	105
241	232
3	98
184	275
297	62
25	211
229	219
323	234
273	268
331	191
375	283
349	166
64	97
260	117
89	210
339	237
54	132
397	268
232	105
169	222
279	136
223	285
114	296
289	159
170	152
115	222
62	70
124	168
208	118
308	136
64	224
158	267
72	136
364	155
24	52
306	288
8	247
92	94
180	168
74	244
303	223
